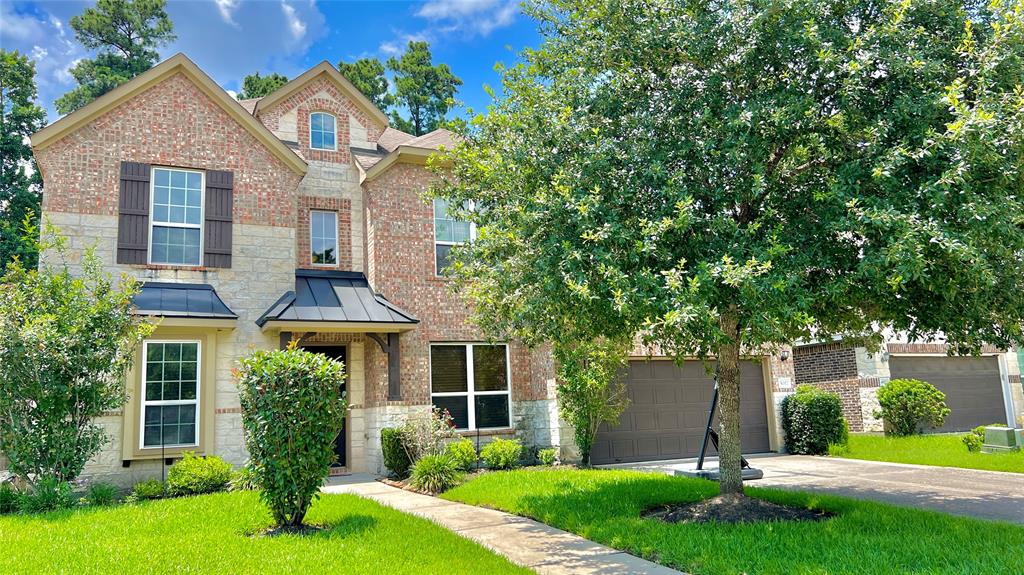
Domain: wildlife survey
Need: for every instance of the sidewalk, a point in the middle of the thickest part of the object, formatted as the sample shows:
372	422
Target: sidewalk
544	549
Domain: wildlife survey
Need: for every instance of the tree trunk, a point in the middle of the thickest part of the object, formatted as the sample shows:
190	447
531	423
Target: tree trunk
729	454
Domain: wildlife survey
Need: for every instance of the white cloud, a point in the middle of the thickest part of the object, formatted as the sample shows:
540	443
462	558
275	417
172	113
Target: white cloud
227	10
390	48
63	75
232	93
470	16
295	23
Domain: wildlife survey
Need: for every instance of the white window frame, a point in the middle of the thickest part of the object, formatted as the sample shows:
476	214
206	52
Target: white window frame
196	401
334	120
202	216
337	259
471	393
437	242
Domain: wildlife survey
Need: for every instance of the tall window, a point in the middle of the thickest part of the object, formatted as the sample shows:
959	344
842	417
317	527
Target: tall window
471	382
448	232
321	131
176	232
170	394
323	237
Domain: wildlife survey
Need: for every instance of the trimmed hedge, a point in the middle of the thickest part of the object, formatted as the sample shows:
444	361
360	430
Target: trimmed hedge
195	475
812	419
396	456
909	406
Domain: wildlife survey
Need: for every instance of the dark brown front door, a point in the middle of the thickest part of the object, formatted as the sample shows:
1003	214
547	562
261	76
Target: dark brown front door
335	352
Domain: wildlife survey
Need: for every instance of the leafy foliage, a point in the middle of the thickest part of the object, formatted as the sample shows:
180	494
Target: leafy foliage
256	86
20	183
396	455
719	176
812	420
975	438
101	494
8	499
292	410
548	456
149	489
463	454
435	473
195	475
425	90
67	338
502	453
427	434
909	406
244	479
589	389
367	75
127	34
49	493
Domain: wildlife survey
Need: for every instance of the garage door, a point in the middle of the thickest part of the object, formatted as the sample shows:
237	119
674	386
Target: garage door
668	411
973	388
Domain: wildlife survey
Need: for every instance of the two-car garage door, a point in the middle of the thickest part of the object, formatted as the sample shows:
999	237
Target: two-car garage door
668	411
973	386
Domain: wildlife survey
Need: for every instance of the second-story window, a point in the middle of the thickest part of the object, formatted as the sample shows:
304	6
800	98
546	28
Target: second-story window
323	237
448	232
176	229
322	130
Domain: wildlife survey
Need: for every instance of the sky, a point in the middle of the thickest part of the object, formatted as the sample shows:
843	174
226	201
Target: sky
229	39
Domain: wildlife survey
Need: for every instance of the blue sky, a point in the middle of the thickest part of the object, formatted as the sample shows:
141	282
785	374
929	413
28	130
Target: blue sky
231	38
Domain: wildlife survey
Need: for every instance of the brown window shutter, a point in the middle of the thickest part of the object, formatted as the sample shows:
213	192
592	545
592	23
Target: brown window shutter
219	203
133	214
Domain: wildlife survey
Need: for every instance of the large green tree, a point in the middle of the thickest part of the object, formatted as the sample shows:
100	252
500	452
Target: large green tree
256	86
20	184
426	91
722	177
127	34
367	75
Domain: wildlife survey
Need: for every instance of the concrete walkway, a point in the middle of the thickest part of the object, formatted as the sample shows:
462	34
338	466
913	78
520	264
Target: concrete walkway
969	492
523	541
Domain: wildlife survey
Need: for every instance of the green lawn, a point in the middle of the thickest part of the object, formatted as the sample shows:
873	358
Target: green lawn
946	450
209	534
864	538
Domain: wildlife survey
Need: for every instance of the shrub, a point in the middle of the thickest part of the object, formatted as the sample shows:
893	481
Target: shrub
244	480
463	453
150	489
435	474
195	475
909	406
427	434
8	499
47	494
812	419
292	411
975	438
548	456
502	453
66	341
396	456
101	494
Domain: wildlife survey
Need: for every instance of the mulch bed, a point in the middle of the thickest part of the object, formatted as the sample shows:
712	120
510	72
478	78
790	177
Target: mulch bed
733	509
303	529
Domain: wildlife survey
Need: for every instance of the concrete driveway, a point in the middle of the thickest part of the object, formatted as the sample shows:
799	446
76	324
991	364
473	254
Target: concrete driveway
982	494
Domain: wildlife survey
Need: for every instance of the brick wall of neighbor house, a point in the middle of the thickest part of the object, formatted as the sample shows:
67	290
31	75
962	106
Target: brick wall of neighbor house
849	372
400	254
824	362
173	123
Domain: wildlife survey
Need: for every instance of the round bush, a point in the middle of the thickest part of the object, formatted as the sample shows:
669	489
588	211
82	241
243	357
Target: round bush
976	437
502	453
909	406
149	489
396	456
195	475
812	419
463	453
548	456
435	474
292	410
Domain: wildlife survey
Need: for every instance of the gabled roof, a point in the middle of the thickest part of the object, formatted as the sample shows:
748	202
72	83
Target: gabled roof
327	70
414	151
179	63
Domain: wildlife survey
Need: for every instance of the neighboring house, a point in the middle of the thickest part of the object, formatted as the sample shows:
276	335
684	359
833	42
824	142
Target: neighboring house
979	390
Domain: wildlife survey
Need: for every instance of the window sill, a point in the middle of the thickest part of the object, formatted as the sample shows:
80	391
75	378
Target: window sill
174	267
487	432
150	453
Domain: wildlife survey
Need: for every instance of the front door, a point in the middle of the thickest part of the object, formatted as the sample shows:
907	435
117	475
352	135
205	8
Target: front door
335	352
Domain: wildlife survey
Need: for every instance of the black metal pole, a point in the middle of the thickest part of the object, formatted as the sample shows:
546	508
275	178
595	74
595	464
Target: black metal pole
707	429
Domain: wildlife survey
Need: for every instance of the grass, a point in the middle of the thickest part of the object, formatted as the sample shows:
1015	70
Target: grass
937	449
864	538
211	534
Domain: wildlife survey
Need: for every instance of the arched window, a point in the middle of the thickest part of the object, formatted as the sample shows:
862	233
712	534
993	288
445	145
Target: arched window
322	131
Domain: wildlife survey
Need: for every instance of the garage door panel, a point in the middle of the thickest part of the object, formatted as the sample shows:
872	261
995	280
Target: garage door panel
972	385
669	410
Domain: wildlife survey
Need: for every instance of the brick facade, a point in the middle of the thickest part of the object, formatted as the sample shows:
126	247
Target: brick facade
824	362
342	207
